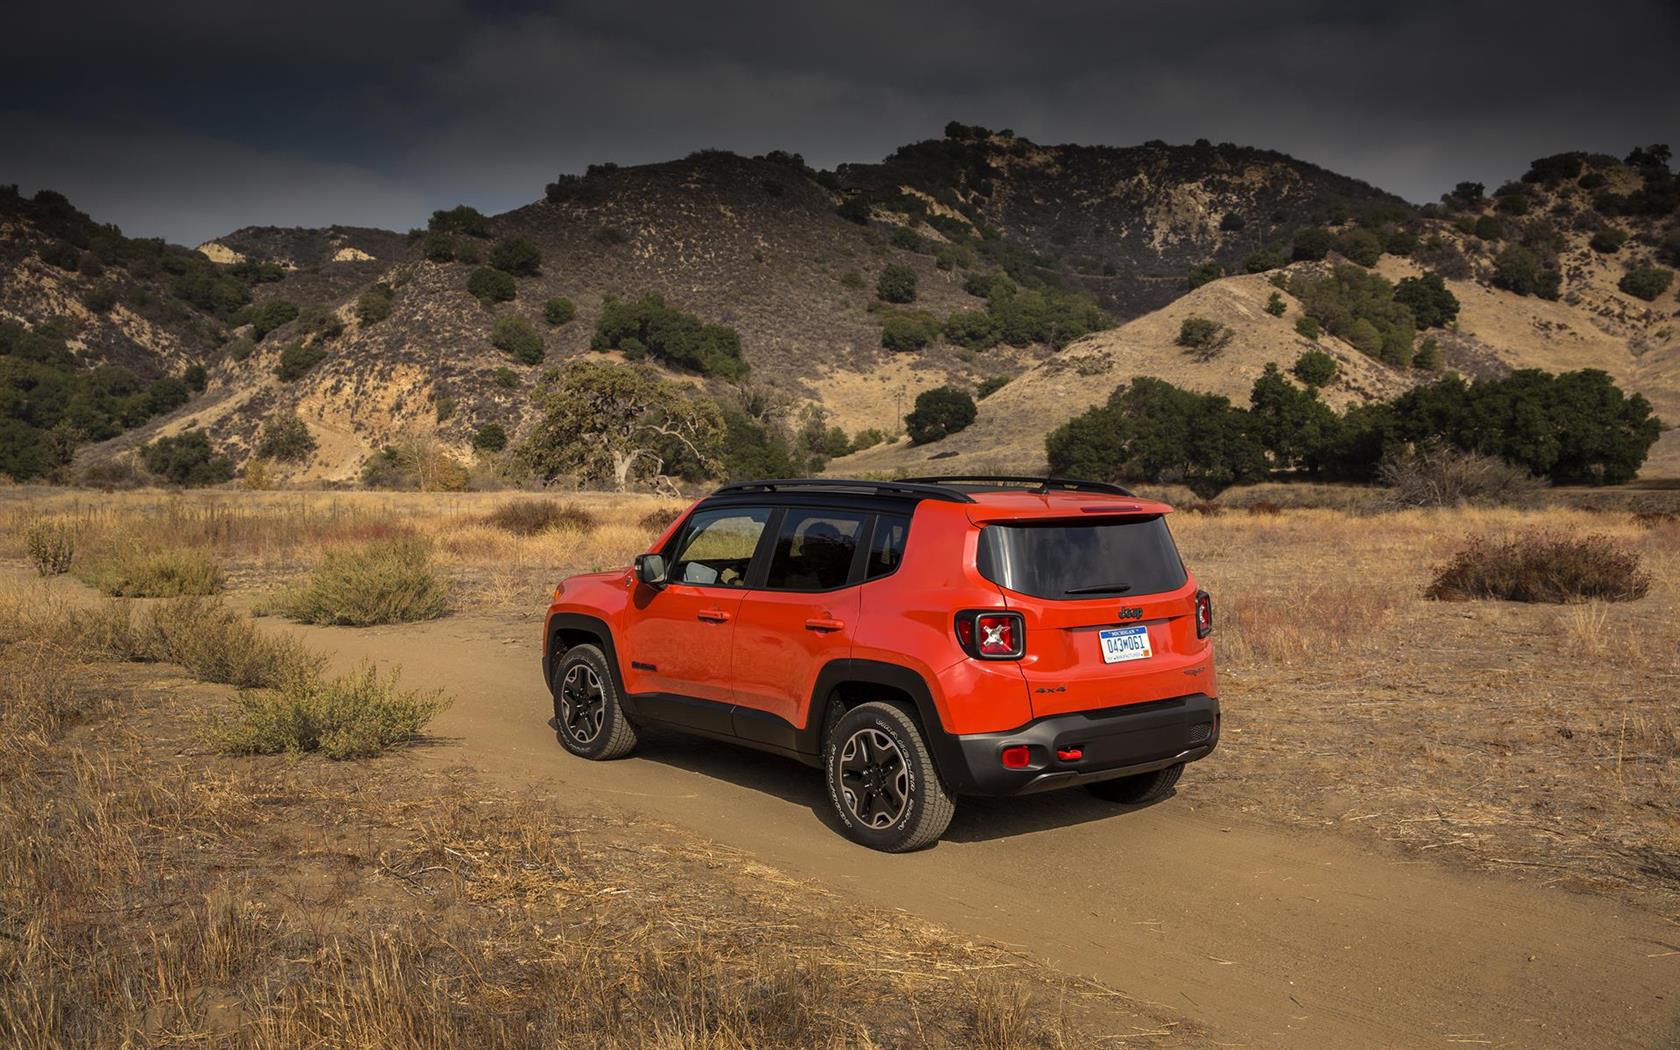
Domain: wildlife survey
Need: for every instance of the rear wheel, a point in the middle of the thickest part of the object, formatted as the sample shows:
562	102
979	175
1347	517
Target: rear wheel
1144	787
588	718
882	780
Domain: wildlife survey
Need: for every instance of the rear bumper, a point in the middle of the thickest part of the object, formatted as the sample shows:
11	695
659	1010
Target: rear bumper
1116	742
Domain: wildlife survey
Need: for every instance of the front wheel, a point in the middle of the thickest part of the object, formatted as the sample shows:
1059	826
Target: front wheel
588	717
1138	789
882	781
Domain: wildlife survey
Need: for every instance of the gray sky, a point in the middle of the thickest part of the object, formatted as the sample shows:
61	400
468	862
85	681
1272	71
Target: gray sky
189	119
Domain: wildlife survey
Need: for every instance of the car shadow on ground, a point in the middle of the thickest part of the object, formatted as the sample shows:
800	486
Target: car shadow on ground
976	820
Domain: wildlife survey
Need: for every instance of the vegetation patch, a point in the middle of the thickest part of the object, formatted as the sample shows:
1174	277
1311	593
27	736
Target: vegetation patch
1434	474
939	413
134	571
648	327
1203	338
357	715
514	336
387	581
1542	566
51	545
528	517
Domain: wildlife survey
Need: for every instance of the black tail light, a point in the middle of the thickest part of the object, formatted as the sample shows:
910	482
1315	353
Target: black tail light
991	634
1204	614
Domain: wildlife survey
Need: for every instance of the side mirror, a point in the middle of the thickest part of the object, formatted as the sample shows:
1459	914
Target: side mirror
650	569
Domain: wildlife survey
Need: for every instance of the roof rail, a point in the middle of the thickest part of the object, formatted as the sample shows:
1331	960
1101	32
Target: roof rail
1041	485
876	488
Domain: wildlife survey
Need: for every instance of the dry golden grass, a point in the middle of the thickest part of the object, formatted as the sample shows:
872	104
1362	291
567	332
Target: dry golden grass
153	894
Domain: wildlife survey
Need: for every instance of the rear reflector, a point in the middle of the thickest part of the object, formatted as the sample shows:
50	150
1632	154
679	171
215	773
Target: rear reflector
1016	757
1070	754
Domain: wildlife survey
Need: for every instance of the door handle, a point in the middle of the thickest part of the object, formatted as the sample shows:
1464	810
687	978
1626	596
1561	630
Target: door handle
819	624
713	615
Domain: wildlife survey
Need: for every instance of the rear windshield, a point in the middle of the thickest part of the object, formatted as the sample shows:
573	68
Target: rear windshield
1083	561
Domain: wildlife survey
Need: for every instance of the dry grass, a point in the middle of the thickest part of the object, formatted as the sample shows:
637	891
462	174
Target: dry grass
1540	566
527	517
377	905
51	545
386	581
132	571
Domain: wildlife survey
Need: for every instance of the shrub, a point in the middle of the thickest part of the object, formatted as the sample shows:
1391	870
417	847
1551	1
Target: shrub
657	519
855	209
388	581
558	311
1275	305
1489	228
852	279
285	437
239	350
505	377
867	438
1202	273
1431	303
1428	356
1263	260
1434	474
1360	246
186	459
374	305
517	256
1358	305
491	286
357	715
296	361
677	338
1541	566
134	572
100	297
209	641
514	336
1646	282
61	254
1517	269
531	517
440	247
1202	337
909	330
1609	240
990	385
1308	327
443	407
1315	368
939	413
1311	244
271	315
896	284
491	437
460	219
196	377
51	544
1231	222
906	238
974	329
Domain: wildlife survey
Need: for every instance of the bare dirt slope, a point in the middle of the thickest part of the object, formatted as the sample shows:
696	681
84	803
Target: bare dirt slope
1272	937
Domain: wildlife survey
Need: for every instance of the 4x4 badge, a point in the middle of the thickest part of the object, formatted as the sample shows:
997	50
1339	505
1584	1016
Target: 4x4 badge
1131	612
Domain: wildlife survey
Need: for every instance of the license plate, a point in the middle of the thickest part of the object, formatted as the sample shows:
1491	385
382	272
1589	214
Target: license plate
1120	644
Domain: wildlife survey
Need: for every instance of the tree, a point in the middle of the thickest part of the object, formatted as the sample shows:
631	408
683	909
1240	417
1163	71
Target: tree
974	329
197	377
1358	305
939	413
1276	306
648	325
1431	303
286	438
1609	240
516	256
491	437
1360	246
909	330
460	219
1517	269
1290	423
186	459
1646	282
1202	337
558	311
514	336
606	422
491	286
1315	368
1308	327
1202	273
1311	244
896	284
296	361
440	247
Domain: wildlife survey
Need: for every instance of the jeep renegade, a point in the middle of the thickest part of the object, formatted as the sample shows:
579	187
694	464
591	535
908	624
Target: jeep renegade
916	640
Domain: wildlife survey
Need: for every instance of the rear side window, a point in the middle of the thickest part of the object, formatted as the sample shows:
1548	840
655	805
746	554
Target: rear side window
1082	561
886	547
814	550
717	546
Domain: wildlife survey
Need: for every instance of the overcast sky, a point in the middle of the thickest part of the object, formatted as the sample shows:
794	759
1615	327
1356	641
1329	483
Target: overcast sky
188	119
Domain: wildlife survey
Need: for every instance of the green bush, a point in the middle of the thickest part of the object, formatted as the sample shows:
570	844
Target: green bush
974	329
1517	269
514	336
506	378
1542	566
558	311
1311	244
239	350
1428	356
491	437
1231	222
296	361
939	413
210	642
1489	228
1263	260
1202	273
60	254
909	330
491	286
896	284
374	305
440	247
100	297
1360	246
388	581
1358	306
130	571
268	316
1203	337
460	219
286	438
1431	303
906	238
516	256
1308	327
186	459
196	377
1646	282
357	715
1609	240
990	385
1315	368
1276	306
670	335
951	256
855	209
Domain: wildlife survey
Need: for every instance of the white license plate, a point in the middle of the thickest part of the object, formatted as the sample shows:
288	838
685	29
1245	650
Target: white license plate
1120	644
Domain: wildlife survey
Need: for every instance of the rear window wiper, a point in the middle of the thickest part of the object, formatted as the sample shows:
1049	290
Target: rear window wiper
1100	588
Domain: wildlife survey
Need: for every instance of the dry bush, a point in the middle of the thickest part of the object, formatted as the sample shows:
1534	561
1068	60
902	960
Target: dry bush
356	715
212	643
1206	508
51	543
1653	519
1265	508
658	518
530	517
1434	474
1542	566
136	571
389	581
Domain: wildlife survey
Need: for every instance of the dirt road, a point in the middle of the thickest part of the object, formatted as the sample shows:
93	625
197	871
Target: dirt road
1270	936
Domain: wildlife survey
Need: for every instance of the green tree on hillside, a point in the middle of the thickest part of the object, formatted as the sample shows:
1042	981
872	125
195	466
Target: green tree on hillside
939	413
896	284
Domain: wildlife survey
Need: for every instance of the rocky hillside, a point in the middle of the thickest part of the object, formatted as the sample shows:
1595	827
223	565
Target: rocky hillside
374	337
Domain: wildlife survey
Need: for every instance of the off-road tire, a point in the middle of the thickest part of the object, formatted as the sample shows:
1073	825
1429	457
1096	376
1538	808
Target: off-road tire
602	732
914	806
1136	790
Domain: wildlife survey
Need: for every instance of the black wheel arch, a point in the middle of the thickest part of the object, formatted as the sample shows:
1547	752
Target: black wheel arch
568	629
846	682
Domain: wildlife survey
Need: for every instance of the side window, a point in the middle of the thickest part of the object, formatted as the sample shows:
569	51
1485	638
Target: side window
814	550
886	547
717	546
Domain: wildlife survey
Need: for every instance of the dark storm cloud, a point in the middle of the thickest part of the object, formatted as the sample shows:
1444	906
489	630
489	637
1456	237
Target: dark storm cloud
186	119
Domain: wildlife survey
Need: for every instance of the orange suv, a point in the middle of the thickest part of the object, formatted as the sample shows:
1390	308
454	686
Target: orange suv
917	640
